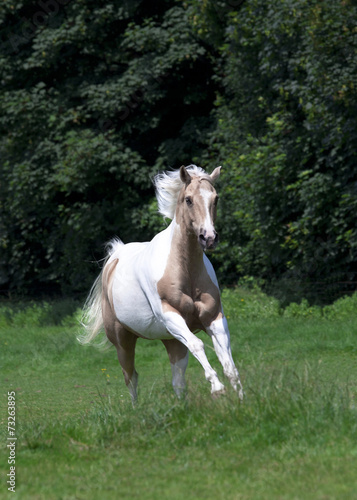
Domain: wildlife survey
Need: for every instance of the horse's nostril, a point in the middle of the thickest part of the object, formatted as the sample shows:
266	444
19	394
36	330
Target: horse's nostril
202	237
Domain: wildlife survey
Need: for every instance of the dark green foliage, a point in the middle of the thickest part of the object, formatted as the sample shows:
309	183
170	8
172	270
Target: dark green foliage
287	135
94	100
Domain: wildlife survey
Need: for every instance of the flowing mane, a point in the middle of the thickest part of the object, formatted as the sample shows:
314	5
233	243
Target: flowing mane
168	185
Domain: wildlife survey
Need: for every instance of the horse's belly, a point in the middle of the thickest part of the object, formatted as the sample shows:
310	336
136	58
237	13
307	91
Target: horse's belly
135	312
144	325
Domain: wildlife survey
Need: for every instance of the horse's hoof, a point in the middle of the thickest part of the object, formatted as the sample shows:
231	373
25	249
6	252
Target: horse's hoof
217	394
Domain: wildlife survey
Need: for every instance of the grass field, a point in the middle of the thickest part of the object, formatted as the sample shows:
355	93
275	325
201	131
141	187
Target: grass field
78	436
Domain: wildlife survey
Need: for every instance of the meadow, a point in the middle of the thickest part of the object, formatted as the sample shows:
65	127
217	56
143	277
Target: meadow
294	437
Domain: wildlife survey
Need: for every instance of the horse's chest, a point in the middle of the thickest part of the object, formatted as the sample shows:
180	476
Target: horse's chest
198	308
189	291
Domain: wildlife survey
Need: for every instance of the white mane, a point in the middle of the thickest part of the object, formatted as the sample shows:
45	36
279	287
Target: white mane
168	185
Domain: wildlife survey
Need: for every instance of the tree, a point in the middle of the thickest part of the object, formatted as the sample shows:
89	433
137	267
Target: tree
94	100
286	137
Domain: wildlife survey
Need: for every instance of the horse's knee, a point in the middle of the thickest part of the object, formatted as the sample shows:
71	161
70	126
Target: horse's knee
196	346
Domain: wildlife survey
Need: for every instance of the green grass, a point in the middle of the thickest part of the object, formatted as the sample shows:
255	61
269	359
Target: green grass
293	437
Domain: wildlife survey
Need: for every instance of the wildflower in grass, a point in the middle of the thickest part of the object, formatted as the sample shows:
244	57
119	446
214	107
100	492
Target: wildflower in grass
106	375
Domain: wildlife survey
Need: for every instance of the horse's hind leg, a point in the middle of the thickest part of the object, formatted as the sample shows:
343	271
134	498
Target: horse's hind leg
126	356
124	342
178	356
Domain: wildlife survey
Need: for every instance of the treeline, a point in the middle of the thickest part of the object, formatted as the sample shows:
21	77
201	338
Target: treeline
95	98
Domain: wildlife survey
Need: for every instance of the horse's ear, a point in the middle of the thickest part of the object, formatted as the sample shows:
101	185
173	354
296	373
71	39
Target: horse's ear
215	173
184	175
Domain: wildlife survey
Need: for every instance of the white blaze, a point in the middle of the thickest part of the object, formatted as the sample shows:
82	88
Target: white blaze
207	224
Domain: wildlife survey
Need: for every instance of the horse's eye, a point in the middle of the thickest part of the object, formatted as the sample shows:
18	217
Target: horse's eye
188	200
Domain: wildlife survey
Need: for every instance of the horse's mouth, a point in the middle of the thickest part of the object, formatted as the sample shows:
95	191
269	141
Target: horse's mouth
208	244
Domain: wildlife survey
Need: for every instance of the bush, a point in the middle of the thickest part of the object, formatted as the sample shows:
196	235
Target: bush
302	310
343	308
247	301
35	314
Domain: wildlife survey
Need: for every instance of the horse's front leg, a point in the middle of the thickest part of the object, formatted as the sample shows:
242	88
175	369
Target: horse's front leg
177	327
219	332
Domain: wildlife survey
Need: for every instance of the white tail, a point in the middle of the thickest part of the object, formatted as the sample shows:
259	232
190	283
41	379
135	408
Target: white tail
92	319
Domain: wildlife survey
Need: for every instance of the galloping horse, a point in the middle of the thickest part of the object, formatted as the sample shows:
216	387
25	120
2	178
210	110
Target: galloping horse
167	289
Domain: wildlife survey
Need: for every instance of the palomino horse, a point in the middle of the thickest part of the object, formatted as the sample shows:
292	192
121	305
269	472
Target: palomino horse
167	289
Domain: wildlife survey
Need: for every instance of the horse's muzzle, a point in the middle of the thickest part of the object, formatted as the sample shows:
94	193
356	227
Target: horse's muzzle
208	240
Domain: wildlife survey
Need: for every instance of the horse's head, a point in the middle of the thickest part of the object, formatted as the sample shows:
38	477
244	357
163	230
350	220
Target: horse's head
197	206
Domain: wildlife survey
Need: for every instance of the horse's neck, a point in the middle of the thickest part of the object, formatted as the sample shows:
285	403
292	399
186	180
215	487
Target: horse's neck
186	253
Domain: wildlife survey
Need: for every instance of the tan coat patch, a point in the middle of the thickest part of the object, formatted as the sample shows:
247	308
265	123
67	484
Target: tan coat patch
186	286
108	313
